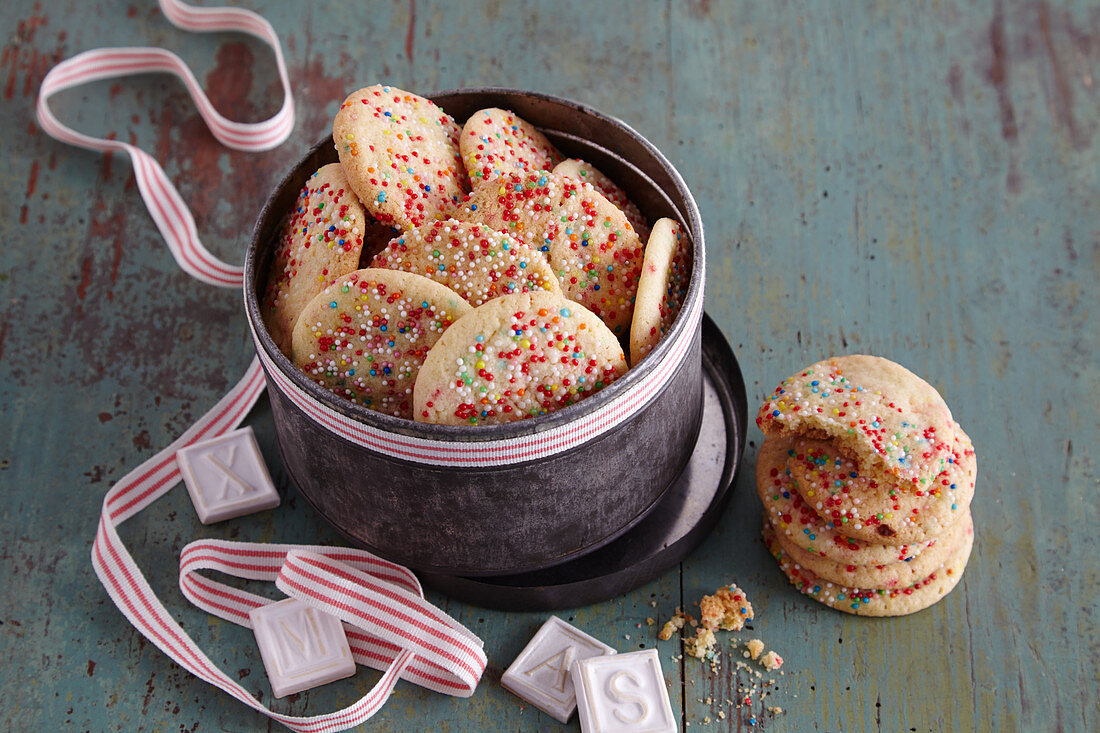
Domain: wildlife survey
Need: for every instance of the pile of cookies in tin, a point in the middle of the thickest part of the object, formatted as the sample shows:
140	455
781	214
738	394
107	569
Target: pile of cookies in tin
465	274
866	482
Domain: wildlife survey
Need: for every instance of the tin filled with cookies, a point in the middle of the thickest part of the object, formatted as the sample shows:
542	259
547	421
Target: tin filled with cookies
542	427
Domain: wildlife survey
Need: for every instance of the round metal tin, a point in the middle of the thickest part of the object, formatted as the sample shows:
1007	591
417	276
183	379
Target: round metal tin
391	486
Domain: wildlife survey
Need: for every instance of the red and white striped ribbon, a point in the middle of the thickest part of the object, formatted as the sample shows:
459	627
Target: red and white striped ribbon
382	605
492	452
171	214
390	625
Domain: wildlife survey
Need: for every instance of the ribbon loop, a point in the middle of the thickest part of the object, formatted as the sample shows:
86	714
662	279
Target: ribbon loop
451	655
381	604
169	212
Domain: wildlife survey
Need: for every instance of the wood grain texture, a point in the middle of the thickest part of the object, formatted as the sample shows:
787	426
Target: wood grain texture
914	180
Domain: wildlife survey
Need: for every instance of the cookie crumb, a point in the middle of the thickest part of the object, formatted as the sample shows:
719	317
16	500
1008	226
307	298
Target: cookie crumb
727	609
702	644
771	660
673	625
775	710
755	648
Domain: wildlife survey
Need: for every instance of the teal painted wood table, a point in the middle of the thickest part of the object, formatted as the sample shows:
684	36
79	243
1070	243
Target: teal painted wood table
916	180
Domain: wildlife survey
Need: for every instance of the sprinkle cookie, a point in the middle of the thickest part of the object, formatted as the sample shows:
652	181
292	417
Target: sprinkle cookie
366	336
892	419
475	261
803	527
582	171
662	287
868	601
728	608
834	485
319	240
400	153
890	575
495	142
515	357
593	249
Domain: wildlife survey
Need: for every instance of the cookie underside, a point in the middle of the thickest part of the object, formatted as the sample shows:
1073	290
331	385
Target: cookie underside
662	287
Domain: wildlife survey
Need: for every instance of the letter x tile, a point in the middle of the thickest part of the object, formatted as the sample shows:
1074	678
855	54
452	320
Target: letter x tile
227	477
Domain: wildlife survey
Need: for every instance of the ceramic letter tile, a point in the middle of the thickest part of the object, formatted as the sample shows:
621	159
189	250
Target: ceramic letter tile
301	647
623	694
540	674
227	477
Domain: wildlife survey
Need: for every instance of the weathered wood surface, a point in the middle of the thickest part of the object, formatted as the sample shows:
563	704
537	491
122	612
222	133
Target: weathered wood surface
915	180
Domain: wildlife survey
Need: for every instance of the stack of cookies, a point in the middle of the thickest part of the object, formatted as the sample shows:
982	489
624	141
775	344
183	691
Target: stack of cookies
866	481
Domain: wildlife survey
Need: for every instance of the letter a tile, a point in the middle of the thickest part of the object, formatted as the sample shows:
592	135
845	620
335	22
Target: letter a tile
540	674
